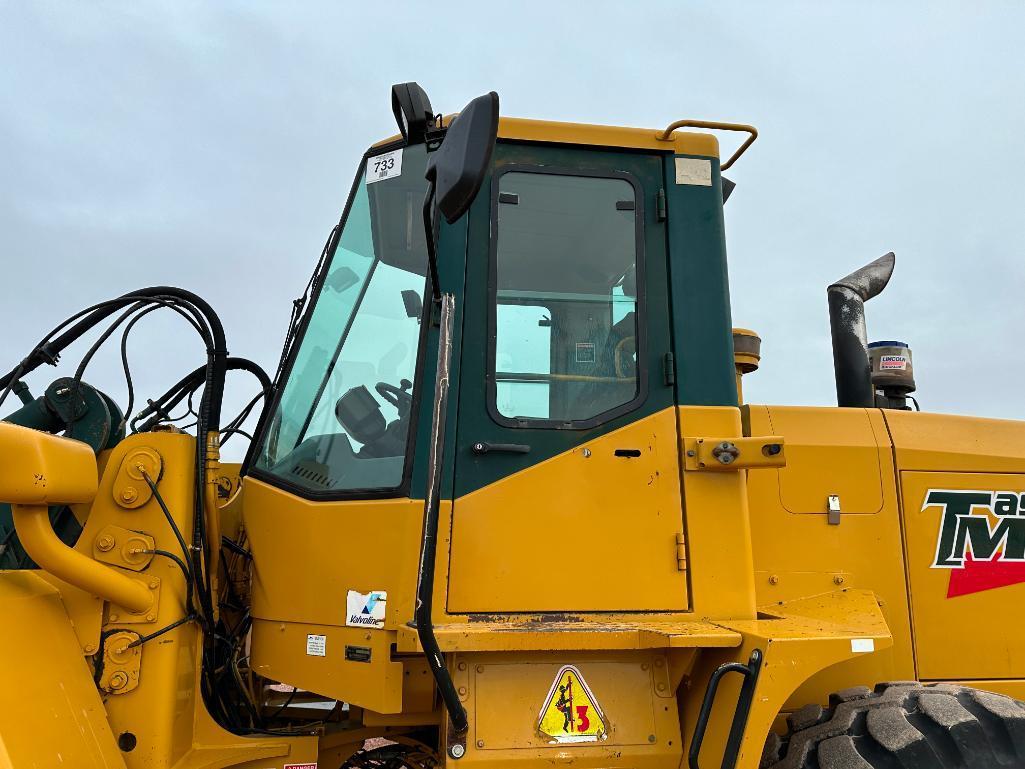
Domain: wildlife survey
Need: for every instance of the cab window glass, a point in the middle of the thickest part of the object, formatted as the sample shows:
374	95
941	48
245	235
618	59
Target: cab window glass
343	421
565	298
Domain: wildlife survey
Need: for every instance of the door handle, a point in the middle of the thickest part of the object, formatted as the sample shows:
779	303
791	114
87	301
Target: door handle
483	447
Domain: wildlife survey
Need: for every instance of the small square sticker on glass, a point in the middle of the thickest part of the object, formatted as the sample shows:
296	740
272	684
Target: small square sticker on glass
381	167
585	352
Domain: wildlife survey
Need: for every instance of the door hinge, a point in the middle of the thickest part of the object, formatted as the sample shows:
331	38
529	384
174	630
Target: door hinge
681	552
669	369
660	205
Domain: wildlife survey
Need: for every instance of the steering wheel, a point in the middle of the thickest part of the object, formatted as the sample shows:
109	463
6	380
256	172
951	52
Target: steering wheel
397	396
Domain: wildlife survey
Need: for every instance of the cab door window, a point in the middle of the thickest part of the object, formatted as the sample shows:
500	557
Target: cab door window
565	299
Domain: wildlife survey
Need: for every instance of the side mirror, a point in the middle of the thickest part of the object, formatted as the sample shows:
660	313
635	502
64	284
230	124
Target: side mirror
458	168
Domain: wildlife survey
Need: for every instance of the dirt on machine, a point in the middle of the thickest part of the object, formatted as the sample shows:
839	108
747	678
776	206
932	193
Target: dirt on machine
505	505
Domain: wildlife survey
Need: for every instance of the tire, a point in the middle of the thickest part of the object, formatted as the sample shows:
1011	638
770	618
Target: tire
903	725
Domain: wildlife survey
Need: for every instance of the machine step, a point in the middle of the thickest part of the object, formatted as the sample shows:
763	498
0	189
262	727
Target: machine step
534	635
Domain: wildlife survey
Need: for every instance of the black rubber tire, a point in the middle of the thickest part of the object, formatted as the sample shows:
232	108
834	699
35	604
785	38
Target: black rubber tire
903	725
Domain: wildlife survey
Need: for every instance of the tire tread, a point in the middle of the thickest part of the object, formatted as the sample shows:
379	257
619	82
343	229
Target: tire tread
903	725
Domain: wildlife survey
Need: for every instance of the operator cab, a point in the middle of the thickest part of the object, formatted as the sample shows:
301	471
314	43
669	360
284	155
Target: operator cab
343	420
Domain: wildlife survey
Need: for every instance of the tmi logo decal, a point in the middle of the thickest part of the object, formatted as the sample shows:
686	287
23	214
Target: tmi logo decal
981	538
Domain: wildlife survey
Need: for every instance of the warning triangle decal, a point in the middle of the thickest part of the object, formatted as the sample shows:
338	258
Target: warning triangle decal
571	713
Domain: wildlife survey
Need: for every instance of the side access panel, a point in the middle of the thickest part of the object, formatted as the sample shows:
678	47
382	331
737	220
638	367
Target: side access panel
966	601
962	485
798	553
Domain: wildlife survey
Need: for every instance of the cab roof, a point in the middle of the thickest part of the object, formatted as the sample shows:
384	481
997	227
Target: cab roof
553	132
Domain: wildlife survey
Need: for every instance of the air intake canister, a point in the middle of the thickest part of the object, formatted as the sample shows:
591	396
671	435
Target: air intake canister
892	370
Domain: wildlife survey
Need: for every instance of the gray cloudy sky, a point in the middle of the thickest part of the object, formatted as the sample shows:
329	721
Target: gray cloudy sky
211	145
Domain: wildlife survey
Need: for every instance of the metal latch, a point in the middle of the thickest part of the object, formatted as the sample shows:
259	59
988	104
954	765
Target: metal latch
733	453
833	509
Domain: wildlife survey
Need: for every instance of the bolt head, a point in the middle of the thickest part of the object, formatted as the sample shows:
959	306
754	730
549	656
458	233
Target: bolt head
462	666
118	680
838	579
151	617
129	494
105	543
587	452
457	751
462	691
773	579
480	743
153	584
480	668
90	648
661	687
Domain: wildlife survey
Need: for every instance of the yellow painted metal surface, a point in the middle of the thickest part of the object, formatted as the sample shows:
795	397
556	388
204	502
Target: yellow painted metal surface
51	714
307	556
583	531
798	555
280	652
46	549
832	451
42	469
590	633
53	631
506	694
798	640
924	441
165	711
966	624
681	142
718	532
523	129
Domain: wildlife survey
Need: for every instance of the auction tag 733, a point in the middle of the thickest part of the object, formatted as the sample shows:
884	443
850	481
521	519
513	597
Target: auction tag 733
381	167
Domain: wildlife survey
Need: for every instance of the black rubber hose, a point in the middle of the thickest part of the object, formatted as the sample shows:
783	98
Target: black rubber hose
218	352
190	382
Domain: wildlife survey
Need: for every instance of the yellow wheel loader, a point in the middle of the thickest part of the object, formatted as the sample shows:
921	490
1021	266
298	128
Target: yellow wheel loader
504	506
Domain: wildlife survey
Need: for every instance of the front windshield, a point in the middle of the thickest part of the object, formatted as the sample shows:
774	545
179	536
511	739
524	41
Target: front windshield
343	418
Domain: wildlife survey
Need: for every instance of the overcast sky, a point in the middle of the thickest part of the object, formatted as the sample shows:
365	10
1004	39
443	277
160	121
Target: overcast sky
211	145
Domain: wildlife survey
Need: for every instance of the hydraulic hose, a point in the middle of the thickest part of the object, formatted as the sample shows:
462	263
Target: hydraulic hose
48	352
190	382
429	544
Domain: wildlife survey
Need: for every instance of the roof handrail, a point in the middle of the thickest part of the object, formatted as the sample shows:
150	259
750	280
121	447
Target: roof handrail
715	125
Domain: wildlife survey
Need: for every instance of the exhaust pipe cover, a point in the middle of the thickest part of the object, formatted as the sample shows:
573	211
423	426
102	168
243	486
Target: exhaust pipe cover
847	298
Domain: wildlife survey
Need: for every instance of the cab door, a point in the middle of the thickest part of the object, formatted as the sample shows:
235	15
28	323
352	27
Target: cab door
567	476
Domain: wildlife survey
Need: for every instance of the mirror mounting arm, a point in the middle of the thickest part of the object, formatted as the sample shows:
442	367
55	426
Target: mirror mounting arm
431	237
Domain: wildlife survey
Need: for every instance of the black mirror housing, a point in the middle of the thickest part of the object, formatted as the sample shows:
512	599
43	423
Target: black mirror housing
412	110
457	169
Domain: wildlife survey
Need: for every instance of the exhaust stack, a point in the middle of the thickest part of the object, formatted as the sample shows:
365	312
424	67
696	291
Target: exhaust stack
847	299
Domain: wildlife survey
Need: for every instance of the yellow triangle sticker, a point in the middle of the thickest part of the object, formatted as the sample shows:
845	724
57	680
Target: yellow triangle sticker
571	713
